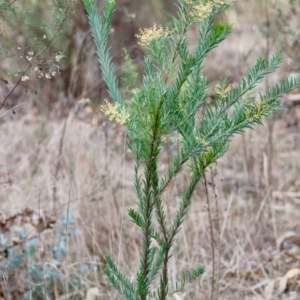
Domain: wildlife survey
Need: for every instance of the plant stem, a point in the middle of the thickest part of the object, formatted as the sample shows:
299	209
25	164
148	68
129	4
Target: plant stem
151	169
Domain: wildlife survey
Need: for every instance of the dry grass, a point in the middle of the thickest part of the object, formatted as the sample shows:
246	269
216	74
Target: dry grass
95	181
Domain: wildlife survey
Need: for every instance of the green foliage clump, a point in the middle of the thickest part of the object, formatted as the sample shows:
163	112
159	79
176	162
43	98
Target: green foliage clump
173	100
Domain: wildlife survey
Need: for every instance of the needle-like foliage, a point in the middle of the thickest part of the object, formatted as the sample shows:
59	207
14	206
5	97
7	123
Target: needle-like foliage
173	100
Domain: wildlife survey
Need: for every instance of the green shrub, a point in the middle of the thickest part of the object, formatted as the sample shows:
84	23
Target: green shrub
172	100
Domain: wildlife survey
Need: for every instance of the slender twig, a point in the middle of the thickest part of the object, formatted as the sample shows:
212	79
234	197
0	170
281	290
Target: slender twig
271	121
58	163
211	238
15	86
217	219
11	109
123	201
40	251
67	239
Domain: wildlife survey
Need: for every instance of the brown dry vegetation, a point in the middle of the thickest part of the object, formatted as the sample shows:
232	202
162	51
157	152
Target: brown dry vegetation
80	163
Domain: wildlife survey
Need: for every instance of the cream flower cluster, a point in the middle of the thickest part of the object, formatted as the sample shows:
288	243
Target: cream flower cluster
114	111
147	35
203	9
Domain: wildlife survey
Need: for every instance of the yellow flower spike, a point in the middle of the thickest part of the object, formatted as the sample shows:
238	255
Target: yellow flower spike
201	11
147	35
181	106
222	92
201	141
204	10
115	112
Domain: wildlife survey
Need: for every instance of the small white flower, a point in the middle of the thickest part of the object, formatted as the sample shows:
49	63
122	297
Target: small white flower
24	78
58	58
